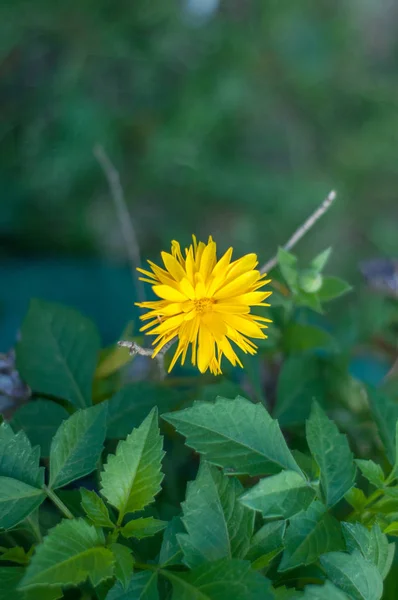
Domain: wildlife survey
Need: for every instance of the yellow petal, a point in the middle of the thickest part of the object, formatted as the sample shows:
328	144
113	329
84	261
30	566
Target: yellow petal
173	266
169	293
244	325
238	286
205	349
242	265
208	260
215	324
187	288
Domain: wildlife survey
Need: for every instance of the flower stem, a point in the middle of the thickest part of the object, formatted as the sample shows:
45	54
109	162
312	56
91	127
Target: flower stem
58	502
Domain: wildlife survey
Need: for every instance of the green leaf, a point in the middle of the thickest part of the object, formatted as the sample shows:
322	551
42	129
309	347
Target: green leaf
18	459
372	472
385	413
170	551
77	445
333	455
287	263
372	544
280	496
333	287
21	477
39	419
266	543
356	498
217	524
17	501
324	592
220	580
319	262
95	509
131	478
235	434
142	528
16	554
284	593
130	405
70	553
293	404
354	575
9	582
311	300
310	534
142	586
124	563
57	354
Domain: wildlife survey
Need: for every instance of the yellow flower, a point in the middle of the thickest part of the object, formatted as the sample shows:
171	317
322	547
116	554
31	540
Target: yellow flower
205	303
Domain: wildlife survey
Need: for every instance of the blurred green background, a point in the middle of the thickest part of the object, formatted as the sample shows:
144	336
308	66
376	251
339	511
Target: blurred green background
233	118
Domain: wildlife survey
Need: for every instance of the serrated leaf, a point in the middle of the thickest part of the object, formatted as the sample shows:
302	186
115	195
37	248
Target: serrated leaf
353	574
284	593
131	478
371	471
130	405
220	580
42	593
21	477
57	353
385	413
170	550
279	496
372	544
310	534
293	404
18	459
95	509
319	262
235	434
217	524
333	455
124	563
142	586
142	528
266	543
77	445
39	419
333	287
391	529
72	551
287	263
17	501
324	592
9	581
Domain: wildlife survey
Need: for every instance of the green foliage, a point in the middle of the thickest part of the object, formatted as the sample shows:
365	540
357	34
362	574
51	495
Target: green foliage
77	445
221	580
280	496
235	434
359	578
72	552
222	532
243	511
131	478
57	354
333	455
311	533
40	431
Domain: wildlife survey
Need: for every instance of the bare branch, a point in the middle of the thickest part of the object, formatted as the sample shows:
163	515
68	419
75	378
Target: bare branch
135	348
125	221
302	230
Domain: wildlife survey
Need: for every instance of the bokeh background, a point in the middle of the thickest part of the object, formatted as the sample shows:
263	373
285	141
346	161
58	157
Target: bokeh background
229	117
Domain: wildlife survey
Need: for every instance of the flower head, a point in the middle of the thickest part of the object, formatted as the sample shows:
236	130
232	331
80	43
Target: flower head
205	303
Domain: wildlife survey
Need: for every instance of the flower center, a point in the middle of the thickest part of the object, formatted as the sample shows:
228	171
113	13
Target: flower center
203	305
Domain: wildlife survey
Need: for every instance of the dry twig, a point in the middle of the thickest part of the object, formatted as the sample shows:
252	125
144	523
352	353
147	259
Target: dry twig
126	224
302	230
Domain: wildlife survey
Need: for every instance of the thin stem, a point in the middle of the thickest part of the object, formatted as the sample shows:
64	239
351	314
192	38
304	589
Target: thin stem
58	502
125	221
302	230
